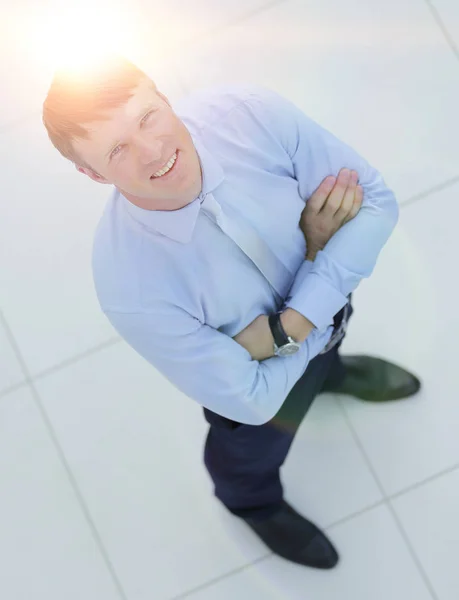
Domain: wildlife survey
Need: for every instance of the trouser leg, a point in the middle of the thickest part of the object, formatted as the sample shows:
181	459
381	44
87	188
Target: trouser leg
244	460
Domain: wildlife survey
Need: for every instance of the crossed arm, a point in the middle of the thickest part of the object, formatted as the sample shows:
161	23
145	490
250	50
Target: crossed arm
344	254
332	205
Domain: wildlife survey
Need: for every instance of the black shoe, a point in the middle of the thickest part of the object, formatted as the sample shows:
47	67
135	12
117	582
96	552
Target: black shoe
293	537
375	380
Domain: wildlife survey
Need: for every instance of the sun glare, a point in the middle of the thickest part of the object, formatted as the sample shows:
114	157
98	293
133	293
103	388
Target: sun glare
80	38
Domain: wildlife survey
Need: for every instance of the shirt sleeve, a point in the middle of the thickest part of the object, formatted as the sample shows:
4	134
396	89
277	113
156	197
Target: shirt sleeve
321	288
210	367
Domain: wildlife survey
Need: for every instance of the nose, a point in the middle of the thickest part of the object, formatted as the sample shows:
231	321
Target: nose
148	150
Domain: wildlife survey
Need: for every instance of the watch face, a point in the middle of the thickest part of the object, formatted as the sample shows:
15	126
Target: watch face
288	349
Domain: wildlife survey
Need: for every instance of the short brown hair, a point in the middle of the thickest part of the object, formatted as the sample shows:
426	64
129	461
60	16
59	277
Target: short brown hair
79	97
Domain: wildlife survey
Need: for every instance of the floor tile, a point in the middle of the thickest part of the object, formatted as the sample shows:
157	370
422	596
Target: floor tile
429	516
47	550
406	313
47	227
375	563
395	102
135	445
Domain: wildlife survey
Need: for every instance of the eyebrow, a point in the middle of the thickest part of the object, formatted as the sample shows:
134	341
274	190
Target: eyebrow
140	116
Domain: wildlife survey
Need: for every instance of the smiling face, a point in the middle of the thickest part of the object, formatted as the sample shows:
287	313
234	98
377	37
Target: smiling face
138	140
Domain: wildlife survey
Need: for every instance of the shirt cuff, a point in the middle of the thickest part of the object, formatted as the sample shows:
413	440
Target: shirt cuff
314	298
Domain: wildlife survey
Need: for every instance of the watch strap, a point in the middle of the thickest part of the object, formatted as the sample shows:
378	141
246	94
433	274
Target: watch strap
278	333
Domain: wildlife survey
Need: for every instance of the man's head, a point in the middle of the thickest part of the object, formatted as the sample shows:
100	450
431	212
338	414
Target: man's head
114	124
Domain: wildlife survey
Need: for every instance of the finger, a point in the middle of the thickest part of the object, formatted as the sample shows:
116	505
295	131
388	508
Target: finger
357	203
336	196
348	200
319	197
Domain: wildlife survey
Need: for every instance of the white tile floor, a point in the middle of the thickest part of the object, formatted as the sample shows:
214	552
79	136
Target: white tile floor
103	493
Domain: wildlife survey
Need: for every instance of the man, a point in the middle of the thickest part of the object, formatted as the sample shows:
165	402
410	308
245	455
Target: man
226	257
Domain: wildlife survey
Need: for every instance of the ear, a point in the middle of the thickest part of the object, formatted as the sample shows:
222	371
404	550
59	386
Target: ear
91	174
163	97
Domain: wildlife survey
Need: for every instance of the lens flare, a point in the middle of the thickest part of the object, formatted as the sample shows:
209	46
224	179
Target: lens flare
77	38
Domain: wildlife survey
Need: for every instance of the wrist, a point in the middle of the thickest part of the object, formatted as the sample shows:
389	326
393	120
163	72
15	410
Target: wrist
311	253
296	325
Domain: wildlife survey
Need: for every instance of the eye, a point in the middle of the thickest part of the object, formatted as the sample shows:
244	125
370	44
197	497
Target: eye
113	153
146	116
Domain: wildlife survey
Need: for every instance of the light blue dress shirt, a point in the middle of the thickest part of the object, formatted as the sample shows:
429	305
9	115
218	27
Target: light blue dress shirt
177	288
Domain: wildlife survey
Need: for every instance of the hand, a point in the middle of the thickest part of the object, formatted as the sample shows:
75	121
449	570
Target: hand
332	205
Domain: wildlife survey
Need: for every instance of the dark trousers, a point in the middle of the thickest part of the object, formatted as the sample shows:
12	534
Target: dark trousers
244	460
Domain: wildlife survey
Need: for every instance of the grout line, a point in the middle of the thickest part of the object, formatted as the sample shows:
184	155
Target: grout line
388	503
221	577
13	388
57	367
419	484
79	496
70	361
17	353
409	545
73	483
440	23
436	188
355	514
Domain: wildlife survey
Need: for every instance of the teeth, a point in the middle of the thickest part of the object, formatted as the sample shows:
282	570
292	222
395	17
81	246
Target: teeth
168	166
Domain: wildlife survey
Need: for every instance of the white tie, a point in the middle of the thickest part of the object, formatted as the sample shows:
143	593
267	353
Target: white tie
249	241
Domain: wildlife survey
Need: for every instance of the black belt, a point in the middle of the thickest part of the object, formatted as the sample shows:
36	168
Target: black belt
340	321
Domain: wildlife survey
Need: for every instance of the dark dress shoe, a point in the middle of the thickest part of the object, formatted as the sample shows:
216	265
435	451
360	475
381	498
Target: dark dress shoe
375	380
296	539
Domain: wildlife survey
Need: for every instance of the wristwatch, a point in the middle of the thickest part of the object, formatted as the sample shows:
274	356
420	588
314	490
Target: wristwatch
284	345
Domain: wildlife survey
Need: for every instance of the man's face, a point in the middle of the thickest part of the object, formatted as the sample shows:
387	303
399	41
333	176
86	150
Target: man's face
139	140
